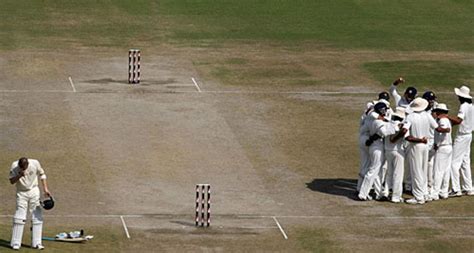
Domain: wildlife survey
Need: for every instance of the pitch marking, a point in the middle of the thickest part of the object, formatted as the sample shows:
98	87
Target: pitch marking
195	84
281	229
125	227
72	84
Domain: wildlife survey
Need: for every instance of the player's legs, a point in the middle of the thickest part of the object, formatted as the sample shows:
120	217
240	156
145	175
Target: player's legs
440	164
364	161
430	174
397	175
415	159
459	147
376	159
424	151
36	220
466	184
448	151
19	220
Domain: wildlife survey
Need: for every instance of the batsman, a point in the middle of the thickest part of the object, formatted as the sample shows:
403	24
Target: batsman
25	174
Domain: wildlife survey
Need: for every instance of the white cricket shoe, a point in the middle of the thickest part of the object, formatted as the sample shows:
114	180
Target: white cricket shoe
16	247
414	201
400	200
443	196
455	194
470	193
39	246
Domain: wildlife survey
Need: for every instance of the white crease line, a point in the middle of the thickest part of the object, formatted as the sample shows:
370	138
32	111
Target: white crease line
281	229
72	84
35	91
125	227
254	216
195	84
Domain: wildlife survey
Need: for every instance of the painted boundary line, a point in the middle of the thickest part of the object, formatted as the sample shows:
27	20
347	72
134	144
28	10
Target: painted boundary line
125	227
72	84
281	229
195	84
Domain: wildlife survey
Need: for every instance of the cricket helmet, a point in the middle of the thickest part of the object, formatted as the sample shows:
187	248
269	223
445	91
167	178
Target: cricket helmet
384	95
48	204
411	92
380	108
429	95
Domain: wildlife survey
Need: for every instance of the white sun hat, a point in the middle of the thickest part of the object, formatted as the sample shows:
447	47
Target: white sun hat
463	92
418	105
441	107
399	112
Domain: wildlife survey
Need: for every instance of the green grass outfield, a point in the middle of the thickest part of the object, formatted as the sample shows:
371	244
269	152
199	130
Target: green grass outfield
432	25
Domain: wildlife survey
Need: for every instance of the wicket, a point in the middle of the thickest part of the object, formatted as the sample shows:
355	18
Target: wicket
134	66
203	205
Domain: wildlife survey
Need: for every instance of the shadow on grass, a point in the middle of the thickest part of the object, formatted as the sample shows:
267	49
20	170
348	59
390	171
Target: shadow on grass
334	186
4	244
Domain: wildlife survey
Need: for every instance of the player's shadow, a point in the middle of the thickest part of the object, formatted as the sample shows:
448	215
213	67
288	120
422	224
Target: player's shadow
6	244
334	186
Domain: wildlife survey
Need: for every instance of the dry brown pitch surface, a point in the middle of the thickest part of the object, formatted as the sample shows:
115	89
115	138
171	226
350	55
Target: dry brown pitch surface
268	150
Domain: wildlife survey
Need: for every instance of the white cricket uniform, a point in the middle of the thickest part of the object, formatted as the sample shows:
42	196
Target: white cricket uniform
395	156
399	100
27	199
442	160
402	102
366	119
431	154
418	125
461	163
376	152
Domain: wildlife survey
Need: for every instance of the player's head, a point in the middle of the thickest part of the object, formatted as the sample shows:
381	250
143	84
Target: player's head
384	95
380	108
441	109
410	93
430	97
399	114
23	163
463	94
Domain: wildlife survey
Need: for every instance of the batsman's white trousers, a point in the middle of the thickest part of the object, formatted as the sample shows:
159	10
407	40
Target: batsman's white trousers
461	164
374	172
442	171
364	160
417	156
396	167
27	201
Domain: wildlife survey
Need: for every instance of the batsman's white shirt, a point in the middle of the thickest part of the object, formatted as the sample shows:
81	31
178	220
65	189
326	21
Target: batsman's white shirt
30	180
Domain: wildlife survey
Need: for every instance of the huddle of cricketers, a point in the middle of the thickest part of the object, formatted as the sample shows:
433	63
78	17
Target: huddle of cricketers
410	148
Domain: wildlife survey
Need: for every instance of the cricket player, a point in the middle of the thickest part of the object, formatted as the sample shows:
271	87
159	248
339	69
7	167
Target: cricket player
408	96
443	155
365	121
24	173
431	98
461	163
378	129
418	124
395	157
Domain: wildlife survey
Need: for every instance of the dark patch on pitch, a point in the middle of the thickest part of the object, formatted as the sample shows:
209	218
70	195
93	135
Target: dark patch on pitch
125	81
